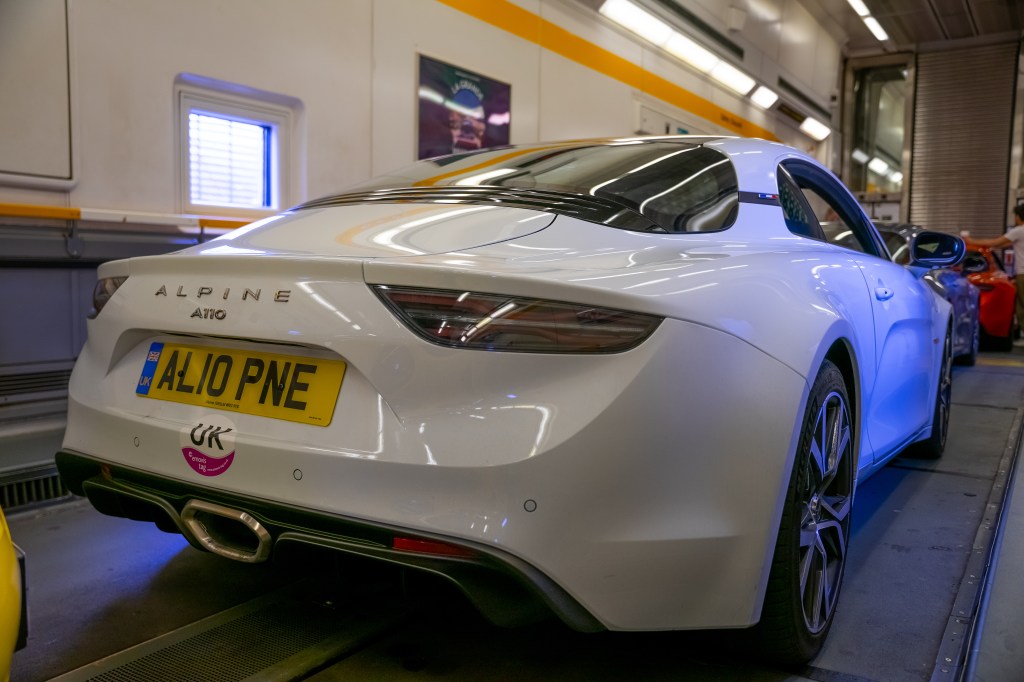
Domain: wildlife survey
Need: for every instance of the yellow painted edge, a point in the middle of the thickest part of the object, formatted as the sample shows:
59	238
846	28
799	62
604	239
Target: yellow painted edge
65	213
529	26
998	362
222	222
36	211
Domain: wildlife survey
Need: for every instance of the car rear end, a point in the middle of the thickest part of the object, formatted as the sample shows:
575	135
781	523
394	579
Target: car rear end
583	452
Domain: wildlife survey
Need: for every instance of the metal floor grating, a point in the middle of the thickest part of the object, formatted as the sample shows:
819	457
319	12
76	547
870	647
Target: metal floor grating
277	637
32	490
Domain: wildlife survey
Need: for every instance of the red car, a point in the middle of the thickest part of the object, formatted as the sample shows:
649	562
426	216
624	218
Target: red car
984	269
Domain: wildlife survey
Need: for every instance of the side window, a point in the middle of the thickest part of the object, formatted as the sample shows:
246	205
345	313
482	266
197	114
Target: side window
898	247
797	214
836	214
837	231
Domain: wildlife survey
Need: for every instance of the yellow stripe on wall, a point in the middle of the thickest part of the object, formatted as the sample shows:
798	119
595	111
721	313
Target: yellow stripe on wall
34	211
529	26
222	222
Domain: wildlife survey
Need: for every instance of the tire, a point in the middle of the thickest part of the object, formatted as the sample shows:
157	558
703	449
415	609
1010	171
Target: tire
933	446
810	550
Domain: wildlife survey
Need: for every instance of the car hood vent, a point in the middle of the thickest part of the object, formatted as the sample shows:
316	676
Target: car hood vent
590	208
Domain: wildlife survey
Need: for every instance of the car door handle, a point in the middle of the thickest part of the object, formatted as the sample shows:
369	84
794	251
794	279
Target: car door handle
883	293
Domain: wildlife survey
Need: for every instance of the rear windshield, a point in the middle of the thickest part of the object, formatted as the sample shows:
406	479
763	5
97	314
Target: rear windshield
679	186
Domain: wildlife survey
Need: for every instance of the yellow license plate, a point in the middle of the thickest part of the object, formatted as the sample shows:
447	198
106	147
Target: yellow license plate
297	389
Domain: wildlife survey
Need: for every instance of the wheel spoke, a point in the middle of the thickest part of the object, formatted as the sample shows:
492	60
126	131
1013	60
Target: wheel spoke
817	585
835	530
808	535
807	573
827	600
818	455
836	507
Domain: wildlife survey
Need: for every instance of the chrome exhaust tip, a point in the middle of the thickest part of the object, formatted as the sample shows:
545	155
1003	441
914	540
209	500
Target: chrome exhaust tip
228	532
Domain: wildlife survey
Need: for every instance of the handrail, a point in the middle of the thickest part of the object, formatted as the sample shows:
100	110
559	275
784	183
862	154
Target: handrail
109	216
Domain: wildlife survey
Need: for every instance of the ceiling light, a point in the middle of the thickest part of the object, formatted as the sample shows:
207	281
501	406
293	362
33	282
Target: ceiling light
690	52
629	16
732	78
878	166
859	7
815	129
896	177
763	97
876	28
860	157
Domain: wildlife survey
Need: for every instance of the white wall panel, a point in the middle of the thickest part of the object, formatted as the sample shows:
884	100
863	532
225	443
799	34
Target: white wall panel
763	27
401	31
827	58
577	102
798	42
128	53
34	100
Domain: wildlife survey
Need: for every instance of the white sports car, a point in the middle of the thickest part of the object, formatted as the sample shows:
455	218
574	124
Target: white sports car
628	380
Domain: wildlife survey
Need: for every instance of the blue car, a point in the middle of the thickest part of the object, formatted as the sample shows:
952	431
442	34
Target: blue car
950	284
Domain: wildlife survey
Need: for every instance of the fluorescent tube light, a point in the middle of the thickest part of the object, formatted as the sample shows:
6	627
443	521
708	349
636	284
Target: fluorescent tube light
860	157
896	177
644	24
876	28
690	52
763	97
815	129
732	78
859	7
878	166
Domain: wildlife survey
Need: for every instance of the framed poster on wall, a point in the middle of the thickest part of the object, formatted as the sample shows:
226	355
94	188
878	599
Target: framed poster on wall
460	110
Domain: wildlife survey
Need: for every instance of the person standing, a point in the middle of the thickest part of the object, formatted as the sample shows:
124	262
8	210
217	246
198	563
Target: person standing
1014	237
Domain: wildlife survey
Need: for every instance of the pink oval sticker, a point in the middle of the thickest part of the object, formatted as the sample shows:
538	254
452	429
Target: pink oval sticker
207	465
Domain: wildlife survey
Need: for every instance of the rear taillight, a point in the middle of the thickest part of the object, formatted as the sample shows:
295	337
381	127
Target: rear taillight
464	319
104	289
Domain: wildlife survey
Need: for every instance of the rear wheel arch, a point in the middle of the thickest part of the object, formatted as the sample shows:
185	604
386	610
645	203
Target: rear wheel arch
842	356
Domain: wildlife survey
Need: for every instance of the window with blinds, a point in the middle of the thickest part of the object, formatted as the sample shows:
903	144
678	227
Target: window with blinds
229	161
233	152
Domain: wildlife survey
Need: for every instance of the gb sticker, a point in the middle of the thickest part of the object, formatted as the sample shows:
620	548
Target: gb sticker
209	446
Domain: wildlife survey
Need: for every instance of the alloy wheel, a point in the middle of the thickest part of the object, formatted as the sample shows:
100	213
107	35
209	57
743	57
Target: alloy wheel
826	498
945	397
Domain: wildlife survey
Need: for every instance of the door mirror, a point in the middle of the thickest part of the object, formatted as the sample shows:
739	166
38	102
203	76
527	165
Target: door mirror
936	250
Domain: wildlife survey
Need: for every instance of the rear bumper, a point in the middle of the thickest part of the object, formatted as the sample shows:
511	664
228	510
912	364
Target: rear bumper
505	589
995	311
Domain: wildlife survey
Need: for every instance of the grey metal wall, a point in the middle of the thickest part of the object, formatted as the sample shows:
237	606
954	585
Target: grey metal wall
963	120
47	274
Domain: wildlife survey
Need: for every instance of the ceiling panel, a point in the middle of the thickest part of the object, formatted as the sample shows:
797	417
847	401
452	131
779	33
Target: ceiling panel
911	23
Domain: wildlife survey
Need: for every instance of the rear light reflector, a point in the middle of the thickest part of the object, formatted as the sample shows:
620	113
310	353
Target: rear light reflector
430	547
102	292
495	322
